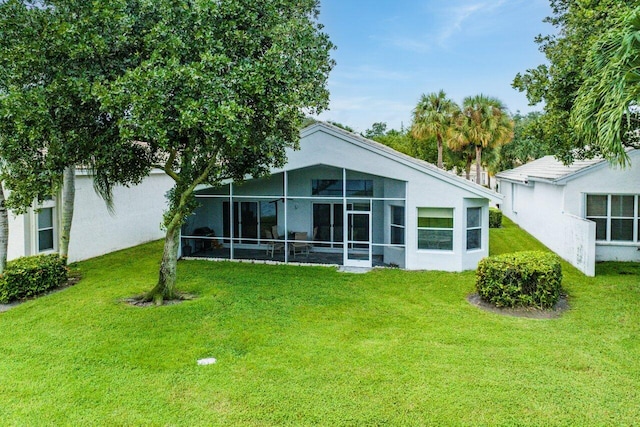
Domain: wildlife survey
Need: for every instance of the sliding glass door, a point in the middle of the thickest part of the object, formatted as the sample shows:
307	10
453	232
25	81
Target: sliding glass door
328	220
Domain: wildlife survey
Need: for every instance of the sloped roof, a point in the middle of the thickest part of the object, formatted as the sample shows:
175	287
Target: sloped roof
417	164
547	168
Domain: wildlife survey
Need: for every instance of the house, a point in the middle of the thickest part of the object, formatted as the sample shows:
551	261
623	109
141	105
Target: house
586	212
344	199
136	218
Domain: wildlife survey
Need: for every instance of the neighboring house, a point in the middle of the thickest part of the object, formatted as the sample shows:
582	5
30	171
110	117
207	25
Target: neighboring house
343	199
586	212
136	218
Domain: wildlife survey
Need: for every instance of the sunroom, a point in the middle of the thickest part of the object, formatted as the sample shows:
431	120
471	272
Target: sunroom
318	214
342	199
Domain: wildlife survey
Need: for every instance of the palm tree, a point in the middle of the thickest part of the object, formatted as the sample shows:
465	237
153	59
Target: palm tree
434	117
483	122
605	113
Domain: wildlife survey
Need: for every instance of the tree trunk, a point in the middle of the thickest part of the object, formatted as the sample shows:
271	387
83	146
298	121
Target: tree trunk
478	164
166	287
467	169
4	231
488	180
68	198
439	137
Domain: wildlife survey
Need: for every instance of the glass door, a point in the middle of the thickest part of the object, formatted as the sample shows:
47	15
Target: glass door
358	249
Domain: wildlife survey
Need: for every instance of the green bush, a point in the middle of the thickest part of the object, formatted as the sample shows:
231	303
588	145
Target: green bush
495	218
30	276
520	279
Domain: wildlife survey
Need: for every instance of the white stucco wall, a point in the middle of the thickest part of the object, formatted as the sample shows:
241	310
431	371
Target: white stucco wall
136	219
539	209
18	236
422	190
554	213
607	180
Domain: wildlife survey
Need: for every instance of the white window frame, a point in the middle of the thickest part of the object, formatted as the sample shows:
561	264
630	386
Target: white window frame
451	229
478	227
393	226
46	204
609	217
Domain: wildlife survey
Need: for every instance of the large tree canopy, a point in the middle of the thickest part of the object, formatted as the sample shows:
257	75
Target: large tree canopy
51	53
220	91
434	117
482	123
580	24
605	113
204	90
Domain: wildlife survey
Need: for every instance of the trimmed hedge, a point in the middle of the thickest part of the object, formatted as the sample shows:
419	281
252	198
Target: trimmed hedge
495	218
521	279
30	276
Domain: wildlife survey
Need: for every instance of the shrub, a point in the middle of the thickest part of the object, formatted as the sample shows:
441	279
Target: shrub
521	279
495	218
30	276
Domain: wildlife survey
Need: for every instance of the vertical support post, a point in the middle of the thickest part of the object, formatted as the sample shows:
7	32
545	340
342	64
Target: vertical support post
231	220
345	218
286	215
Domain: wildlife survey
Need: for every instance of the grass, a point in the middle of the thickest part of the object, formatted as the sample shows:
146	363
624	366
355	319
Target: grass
310	346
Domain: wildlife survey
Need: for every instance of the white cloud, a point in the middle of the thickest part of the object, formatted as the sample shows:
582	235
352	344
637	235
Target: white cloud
451	21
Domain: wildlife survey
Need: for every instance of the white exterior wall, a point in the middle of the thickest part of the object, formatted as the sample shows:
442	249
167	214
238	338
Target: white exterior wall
606	180
555	214
539	209
18	236
422	190
136	219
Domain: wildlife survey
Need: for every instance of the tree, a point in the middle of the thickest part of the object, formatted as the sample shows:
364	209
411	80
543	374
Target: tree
220	90
462	157
483	123
377	129
605	113
434	116
341	126
4	231
51	54
579	24
529	142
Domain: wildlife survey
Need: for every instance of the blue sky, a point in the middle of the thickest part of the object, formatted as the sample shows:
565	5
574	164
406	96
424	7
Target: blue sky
389	52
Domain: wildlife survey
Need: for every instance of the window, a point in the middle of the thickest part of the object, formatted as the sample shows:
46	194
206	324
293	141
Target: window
597	208
45	230
616	216
474	228
333	187
397	225
435	228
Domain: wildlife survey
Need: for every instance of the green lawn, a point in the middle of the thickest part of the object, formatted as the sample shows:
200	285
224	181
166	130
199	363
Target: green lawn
311	346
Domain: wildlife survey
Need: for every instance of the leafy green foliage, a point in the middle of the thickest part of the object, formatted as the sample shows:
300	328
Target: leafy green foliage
30	276
529	142
495	218
51	54
580	25
435	117
521	279
605	113
483	122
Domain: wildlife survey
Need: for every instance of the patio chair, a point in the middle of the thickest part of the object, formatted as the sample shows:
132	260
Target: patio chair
301	242
272	244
